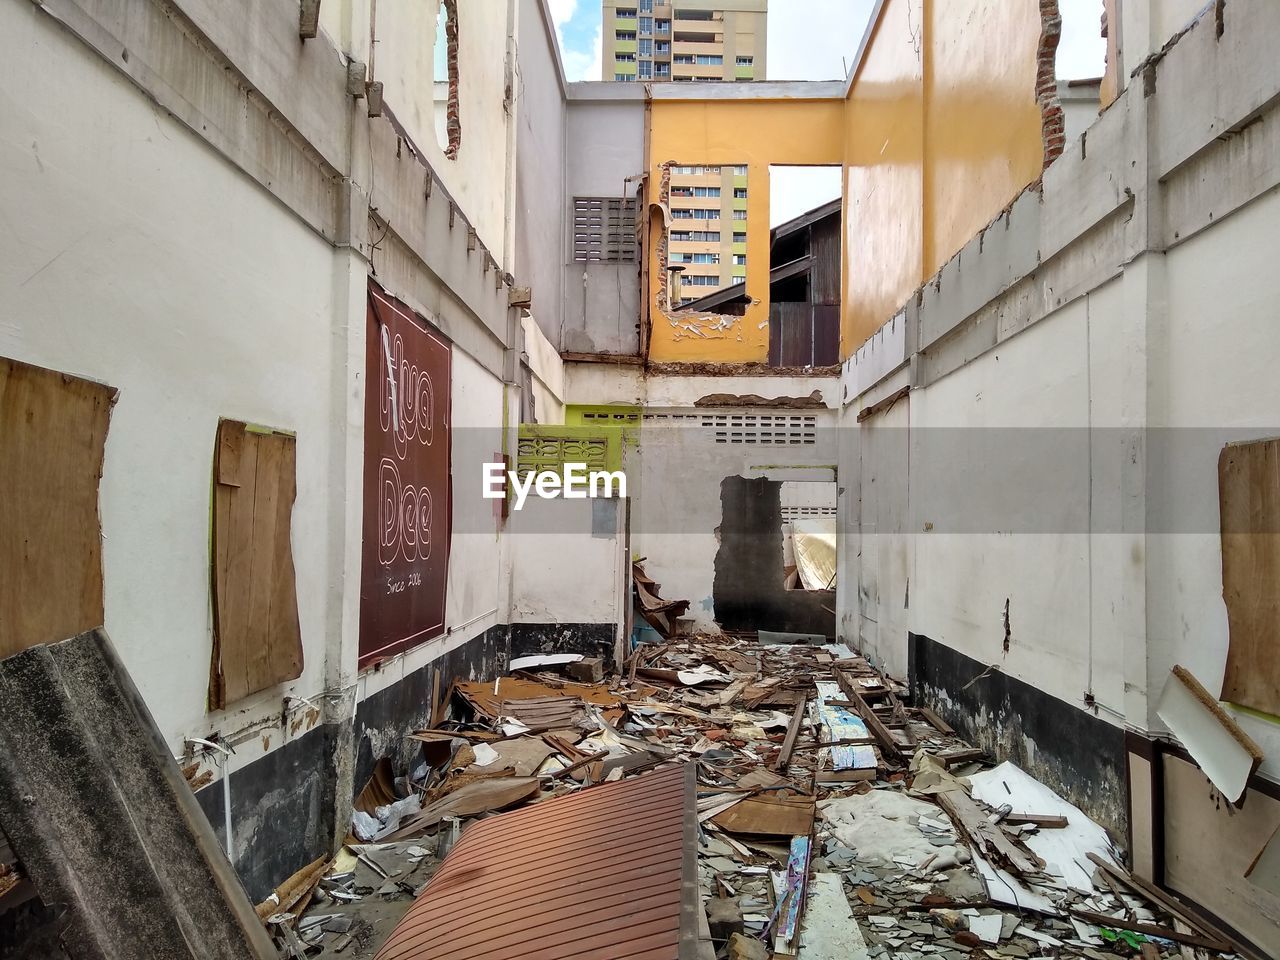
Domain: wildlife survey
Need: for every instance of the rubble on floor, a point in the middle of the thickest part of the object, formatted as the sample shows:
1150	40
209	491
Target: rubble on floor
830	820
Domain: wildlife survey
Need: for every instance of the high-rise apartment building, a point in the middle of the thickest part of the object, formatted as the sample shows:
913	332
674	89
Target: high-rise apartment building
694	40
686	40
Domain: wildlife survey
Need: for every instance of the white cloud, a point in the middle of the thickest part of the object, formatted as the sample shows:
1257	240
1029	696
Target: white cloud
1082	52
815	39
584	63
797	190
562	12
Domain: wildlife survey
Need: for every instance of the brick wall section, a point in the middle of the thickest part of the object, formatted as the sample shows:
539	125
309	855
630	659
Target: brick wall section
453	124
1052	119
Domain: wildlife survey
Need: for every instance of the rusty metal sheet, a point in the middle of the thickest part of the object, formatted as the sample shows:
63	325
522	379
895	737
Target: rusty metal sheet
609	873
406	480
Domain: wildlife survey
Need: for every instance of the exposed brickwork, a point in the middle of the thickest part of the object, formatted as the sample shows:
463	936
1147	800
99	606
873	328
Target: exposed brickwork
1053	128
453	124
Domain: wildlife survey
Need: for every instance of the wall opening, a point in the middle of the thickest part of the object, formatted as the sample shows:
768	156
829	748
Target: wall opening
445	85
805	218
749	591
808	511
705	257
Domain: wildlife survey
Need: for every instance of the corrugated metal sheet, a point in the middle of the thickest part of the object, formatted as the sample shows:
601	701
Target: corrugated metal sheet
606	874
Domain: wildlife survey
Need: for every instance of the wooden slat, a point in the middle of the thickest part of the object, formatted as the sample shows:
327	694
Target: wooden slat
789	742
1151	929
1249	501
888	745
257	636
53	431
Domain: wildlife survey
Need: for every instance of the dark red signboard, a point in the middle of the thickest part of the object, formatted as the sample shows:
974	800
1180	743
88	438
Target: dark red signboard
406	480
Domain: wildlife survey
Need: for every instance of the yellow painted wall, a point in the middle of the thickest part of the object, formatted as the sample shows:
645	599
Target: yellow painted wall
983	141
884	175
939	132
727	133
942	130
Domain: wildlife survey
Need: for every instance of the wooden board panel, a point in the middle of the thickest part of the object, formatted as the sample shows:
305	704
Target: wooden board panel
407	497
53	432
257	641
1249	499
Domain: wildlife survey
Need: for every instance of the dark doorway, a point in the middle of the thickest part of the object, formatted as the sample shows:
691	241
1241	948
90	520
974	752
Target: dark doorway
749	590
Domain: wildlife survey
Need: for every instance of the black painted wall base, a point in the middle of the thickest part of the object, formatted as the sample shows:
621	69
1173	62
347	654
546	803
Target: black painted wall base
282	809
1077	754
588	639
283	805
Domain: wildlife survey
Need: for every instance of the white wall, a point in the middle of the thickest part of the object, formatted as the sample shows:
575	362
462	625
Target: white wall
1215	381
403	59
132	255
567	566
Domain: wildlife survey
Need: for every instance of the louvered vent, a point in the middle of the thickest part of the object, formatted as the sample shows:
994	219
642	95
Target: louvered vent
604	229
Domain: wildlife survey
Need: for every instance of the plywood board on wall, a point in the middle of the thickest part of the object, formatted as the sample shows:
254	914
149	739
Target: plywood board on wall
257	642
53	432
1249	500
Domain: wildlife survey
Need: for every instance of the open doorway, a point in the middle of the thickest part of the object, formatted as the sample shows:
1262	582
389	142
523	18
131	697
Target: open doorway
808	511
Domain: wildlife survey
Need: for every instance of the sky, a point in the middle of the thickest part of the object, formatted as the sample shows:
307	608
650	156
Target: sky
798	52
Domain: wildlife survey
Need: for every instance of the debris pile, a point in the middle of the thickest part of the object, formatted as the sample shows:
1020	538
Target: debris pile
832	819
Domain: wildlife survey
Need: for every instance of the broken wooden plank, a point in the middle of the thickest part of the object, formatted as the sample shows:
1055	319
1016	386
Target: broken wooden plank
789	741
1043	820
957	757
769	816
1151	930
888	745
991	841
937	722
1166	902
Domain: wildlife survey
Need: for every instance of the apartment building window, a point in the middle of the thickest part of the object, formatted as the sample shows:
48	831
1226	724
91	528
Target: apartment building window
662	26
706	191
695	214
626	14
646	69
623	76
710	59
624	58
646	6
695	15
604	228
739	259
683	58
663	47
625	34
739	237
681	258
694	280
739	214
706	258
695	171
646	47
740	170
740	193
664	70
739	278
646	25
746	61
695	236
